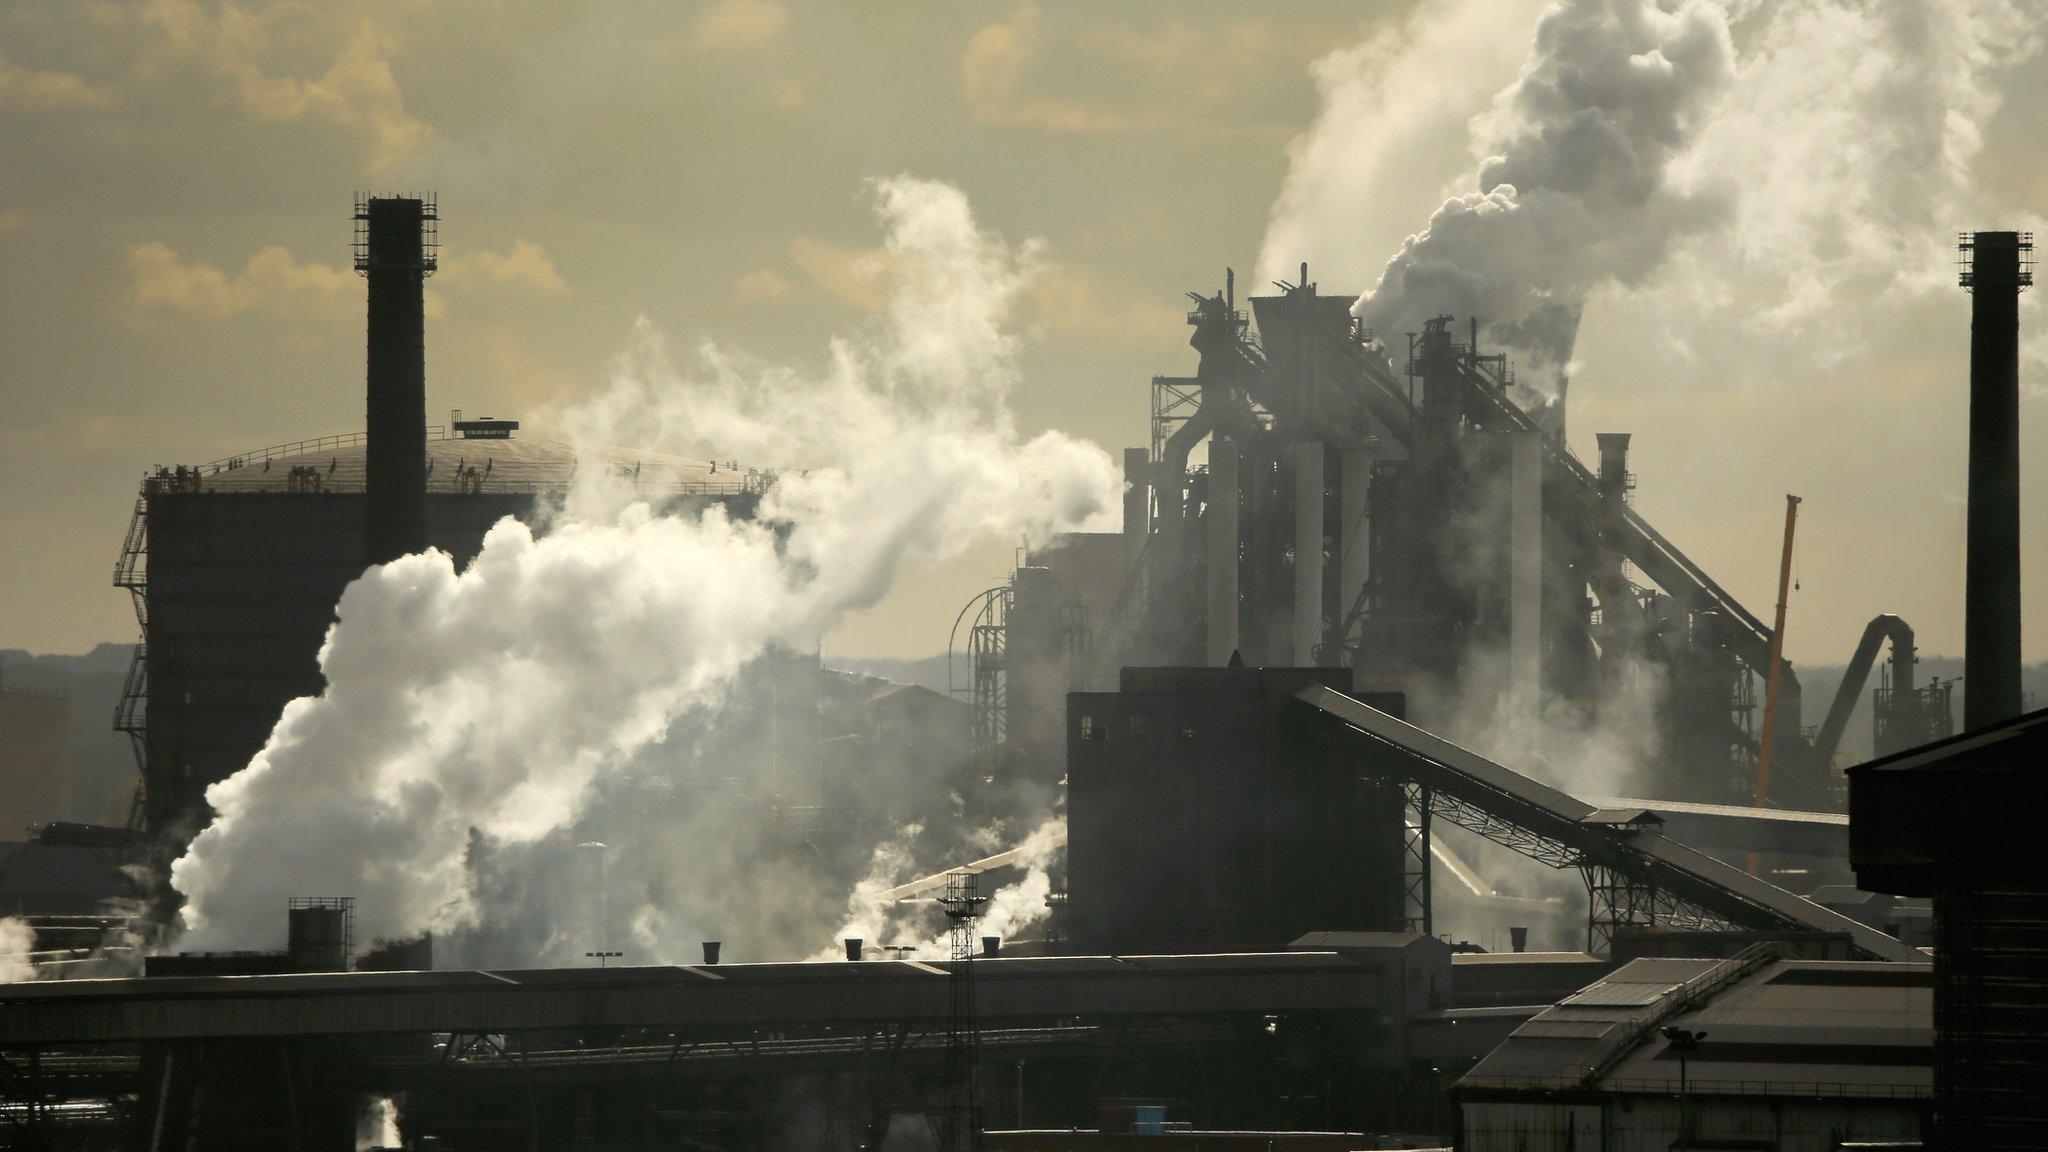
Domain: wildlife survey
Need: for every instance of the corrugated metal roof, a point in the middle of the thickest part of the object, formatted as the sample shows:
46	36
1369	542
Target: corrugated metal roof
1556	1028
1859	1030
1238	962
1608	994
1794	908
1726	811
1482	959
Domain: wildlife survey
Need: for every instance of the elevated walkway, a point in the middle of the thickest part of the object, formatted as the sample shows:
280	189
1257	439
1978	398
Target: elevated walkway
1738	828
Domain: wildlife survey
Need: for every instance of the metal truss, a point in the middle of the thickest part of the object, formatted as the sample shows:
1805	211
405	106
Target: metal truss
1415	860
1174	400
1541	849
1616	898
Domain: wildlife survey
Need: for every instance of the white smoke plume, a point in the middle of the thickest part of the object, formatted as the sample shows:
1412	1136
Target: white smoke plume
1737	158
872	916
1742	186
472	716
377	1124
1572	193
17	941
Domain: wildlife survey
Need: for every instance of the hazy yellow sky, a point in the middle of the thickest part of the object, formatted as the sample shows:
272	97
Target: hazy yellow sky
176	180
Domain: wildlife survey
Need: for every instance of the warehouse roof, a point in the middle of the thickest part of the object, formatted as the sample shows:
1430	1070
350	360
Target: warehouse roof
754	995
456	463
1772	1027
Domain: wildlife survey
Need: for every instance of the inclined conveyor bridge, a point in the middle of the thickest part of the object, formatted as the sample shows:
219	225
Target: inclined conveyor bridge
1635	875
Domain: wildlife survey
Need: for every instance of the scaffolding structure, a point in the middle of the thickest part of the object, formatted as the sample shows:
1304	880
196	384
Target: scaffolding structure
959	1128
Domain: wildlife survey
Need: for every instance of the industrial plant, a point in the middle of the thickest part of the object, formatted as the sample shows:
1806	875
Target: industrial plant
1252	825
1274	912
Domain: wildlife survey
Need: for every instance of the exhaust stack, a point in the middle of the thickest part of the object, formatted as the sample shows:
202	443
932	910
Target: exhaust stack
396	250
1996	267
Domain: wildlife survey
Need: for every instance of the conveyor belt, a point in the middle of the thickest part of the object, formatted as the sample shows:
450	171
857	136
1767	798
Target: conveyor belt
1739	828
1585	834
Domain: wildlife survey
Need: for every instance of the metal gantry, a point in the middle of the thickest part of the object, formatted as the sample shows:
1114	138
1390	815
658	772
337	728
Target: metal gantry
960	1107
1415	871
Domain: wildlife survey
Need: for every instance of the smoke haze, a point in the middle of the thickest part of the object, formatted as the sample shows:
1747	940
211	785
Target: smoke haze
17	940
1752	187
476	723
1739	166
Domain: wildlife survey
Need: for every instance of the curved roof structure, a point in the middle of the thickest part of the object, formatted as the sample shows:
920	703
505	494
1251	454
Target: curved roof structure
460	464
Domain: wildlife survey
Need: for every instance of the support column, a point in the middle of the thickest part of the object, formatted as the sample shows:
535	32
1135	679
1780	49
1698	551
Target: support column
1137	506
1308	551
1525	567
1221	519
1354	538
1618	623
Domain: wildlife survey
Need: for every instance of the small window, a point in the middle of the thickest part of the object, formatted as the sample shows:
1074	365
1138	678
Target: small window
1094	727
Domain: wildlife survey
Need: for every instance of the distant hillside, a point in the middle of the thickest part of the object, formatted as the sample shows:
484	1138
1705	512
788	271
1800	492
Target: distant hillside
103	658
103	774
924	671
1819	683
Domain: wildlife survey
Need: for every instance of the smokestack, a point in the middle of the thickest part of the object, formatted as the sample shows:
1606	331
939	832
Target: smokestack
853	944
711	952
1996	267
1518	938
396	252
991	946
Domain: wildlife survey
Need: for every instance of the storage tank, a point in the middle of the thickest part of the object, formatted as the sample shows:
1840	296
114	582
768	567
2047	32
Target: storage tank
317	937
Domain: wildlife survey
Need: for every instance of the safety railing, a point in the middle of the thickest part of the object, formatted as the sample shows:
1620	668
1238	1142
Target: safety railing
301	447
1695	1085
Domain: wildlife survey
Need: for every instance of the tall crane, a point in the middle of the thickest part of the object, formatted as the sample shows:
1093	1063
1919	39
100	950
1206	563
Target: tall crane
1763	755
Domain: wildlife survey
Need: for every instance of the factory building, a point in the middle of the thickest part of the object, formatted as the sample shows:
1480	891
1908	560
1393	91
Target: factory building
236	565
240	564
1413	514
1945	822
1239	701
1748	1052
1199	819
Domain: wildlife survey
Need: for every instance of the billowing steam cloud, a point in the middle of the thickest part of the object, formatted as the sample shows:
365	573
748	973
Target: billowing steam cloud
472	718
17	941
1749	182
1640	146
872	915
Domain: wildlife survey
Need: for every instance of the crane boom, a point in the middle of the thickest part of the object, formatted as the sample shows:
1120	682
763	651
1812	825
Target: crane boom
1763	756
